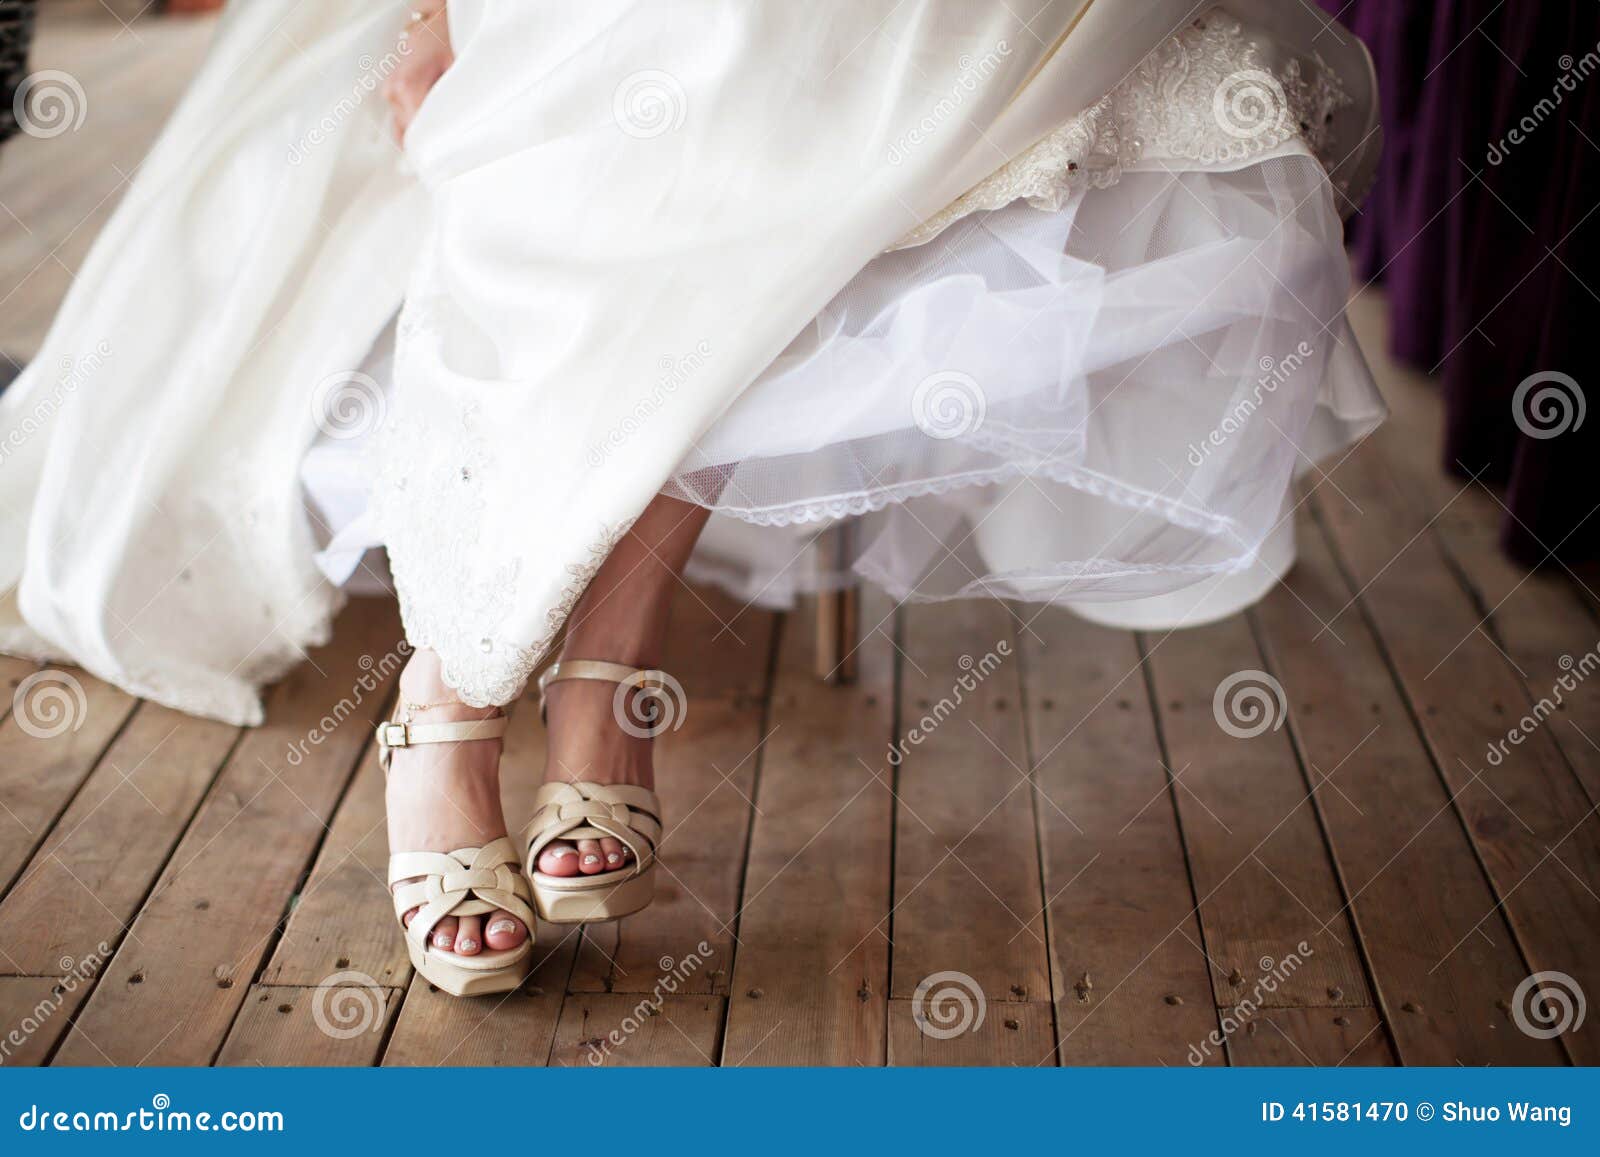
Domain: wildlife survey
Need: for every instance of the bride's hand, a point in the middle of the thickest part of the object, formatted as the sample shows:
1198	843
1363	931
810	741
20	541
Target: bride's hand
428	35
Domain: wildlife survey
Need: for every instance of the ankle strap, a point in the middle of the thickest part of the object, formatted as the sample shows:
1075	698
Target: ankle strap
398	734
602	671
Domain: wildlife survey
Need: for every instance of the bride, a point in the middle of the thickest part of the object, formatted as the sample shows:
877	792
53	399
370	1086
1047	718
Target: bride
1048	304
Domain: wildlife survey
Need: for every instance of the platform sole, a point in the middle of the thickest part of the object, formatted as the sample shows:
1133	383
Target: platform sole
591	899
460	980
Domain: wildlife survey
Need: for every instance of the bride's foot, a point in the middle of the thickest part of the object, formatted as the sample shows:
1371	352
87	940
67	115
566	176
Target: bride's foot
587	746
443	797
620	620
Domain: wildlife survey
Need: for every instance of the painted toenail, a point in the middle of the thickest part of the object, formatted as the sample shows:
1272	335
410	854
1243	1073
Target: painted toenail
500	926
614	858
591	859
441	941
562	853
465	945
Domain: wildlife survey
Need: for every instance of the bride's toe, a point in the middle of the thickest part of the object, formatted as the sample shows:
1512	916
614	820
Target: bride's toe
503	931
612	852
559	859
469	936
590	860
444	933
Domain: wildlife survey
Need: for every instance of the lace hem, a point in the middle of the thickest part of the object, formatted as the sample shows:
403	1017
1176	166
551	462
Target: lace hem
1204	96
1078	477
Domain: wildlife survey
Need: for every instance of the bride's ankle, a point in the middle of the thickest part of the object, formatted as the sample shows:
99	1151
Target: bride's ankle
425	695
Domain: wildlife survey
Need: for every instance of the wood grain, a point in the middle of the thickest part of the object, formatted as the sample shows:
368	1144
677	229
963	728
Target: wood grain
811	971
1131	981
170	996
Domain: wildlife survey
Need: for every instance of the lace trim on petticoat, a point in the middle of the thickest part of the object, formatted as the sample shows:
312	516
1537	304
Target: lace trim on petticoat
1078	477
1203	96
1001	586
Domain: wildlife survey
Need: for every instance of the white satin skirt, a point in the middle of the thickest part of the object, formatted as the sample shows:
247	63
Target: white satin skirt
1090	383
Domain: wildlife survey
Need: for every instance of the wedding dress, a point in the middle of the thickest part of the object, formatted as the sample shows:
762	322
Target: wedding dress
1049	305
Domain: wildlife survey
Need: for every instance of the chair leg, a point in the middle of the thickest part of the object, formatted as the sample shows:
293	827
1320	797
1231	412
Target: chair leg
838	612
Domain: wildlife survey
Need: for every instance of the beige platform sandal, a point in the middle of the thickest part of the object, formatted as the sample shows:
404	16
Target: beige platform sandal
591	811
465	882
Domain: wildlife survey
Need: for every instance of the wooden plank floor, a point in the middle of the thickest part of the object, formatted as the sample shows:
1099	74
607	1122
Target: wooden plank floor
1019	839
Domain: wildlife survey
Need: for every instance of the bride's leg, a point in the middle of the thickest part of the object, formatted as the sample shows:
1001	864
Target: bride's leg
445	796
622	618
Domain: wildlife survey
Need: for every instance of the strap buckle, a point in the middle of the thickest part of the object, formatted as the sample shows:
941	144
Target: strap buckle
394	734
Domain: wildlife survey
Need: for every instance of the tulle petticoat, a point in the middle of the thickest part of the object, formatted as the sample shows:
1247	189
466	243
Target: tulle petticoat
1091	385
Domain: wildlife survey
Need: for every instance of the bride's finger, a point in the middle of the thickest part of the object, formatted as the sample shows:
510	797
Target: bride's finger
426	47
